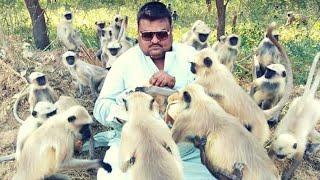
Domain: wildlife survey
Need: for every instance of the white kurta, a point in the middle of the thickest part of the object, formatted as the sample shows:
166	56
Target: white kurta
134	69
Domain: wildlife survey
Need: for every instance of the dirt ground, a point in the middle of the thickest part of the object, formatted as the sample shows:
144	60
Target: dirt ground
13	69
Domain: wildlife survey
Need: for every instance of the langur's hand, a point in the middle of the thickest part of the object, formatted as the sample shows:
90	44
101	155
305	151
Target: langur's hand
162	79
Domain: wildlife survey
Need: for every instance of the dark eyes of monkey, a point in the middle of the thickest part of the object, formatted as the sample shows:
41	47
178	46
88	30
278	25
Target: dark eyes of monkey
269	73
70	60
41	80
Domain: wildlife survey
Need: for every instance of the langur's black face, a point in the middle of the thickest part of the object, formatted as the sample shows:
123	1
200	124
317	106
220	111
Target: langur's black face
101	25
41	81
114	51
70	60
85	132
68	16
203	37
269	73
233	41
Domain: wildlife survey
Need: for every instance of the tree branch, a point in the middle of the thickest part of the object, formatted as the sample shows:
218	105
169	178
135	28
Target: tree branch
227	3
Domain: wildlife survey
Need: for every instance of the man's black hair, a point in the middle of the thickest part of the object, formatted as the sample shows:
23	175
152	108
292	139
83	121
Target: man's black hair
154	11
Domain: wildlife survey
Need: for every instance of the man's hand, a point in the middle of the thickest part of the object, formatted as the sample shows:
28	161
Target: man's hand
162	79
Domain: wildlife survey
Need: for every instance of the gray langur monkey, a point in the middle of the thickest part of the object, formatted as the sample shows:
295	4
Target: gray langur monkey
54	144
197	36
267	53
291	135
147	149
42	111
299	18
38	90
227	49
63	104
100	26
67	35
198	115
175	15
84	74
219	83
268	89
112	50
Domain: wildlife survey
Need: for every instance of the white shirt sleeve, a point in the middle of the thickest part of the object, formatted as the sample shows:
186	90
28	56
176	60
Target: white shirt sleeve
112	87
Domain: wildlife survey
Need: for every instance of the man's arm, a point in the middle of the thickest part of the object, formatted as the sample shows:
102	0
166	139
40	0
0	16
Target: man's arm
113	86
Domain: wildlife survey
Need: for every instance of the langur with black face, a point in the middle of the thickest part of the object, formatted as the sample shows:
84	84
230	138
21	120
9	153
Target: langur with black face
198	115
63	104
197	36
100	26
84	74
113	49
42	111
67	35
293	131
268	89
39	90
219	83
147	149
227	49
54	144
267	53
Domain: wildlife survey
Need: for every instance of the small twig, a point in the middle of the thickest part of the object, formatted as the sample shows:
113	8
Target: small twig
245	69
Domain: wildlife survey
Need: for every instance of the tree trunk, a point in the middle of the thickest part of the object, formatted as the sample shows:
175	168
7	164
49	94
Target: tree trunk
221	12
39	27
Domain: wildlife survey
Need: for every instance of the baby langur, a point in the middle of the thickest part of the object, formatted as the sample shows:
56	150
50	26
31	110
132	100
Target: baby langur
268	89
197	36
147	149
219	83
267	53
67	35
54	144
227	49
84	74
42	111
291	135
40	90
112	50
100	26
198	115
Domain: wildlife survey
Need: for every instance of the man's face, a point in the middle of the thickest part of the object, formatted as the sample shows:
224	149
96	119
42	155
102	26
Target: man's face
155	44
